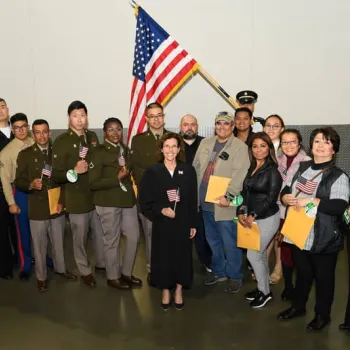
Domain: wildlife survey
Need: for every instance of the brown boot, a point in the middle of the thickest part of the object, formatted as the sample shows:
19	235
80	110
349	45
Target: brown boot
68	275
89	280
119	284
42	285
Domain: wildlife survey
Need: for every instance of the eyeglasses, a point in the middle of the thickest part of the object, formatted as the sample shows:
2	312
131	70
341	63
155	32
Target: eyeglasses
112	130
22	127
273	127
158	116
289	143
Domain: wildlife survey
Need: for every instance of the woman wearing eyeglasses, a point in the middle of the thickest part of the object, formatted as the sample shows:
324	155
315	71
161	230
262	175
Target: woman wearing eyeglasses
321	189
274	126
289	160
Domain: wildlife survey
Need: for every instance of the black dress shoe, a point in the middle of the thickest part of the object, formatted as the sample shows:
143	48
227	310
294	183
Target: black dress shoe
7	277
290	313
344	327
179	306
132	280
165	307
100	269
287	295
24	276
318	323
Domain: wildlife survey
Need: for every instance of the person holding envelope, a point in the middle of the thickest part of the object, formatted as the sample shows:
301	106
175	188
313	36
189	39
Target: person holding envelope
321	190
261	189
33	176
288	163
168	197
224	156
115	203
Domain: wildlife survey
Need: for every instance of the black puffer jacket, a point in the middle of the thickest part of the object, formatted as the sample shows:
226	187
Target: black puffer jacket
261	191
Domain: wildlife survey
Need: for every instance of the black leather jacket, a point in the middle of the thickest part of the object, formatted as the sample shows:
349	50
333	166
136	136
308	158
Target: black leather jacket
261	191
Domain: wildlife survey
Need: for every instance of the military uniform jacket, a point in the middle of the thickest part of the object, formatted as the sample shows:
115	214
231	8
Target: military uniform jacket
30	163
103	177
78	197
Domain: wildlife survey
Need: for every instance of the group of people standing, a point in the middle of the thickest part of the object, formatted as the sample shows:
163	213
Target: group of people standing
162	182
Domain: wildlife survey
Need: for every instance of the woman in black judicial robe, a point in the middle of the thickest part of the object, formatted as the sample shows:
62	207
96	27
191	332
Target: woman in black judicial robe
168	197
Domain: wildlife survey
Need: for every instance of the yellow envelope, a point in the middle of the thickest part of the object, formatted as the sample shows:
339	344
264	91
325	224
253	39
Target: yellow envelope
217	187
54	196
248	238
297	226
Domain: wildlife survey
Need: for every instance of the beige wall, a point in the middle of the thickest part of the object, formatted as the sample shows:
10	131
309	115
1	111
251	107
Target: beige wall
295	54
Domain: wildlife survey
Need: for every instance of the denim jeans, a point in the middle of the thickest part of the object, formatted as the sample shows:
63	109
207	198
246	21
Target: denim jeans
222	238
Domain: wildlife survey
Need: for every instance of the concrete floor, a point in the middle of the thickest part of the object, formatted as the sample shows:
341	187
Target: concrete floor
71	316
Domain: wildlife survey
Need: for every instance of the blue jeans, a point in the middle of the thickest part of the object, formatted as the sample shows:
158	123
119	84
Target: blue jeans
222	238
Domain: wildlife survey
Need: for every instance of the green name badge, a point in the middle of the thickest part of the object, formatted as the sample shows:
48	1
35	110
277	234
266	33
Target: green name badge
237	200
346	217
235	219
311	209
72	176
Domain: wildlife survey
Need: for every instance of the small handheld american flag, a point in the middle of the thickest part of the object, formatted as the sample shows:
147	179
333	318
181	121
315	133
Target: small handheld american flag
306	186
173	195
83	151
121	159
47	170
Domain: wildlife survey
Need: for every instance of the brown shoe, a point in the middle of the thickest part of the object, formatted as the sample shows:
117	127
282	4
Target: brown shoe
42	285
132	281
68	275
119	284
89	280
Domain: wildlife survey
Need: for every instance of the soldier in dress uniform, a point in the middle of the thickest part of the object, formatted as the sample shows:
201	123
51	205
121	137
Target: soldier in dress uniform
17	200
33	175
144	148
7	228
248	99
115	203
70	164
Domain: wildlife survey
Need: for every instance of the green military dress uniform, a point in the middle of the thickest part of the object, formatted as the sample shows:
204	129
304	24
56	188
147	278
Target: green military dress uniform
78	197
31	162
116	207
144	148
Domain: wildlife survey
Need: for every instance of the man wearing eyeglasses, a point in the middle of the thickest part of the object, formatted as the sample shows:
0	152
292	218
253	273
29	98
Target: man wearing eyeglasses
144	149
226	156
16	199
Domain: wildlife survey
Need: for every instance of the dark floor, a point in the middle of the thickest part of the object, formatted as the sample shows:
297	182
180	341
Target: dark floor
71	316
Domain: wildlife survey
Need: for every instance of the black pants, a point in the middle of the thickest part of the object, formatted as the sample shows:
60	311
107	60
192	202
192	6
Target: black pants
318	267
6	256
347	312
202	247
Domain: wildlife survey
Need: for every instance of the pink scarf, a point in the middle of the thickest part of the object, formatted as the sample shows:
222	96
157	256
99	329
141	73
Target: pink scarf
287	175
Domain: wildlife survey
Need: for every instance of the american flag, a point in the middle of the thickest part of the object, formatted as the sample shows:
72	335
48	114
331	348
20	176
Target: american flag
173	195
283	172
47	170
121	160
305	185
160	67
83	151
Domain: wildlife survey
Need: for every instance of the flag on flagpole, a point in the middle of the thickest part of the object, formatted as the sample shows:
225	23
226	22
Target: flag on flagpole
47	170
160	67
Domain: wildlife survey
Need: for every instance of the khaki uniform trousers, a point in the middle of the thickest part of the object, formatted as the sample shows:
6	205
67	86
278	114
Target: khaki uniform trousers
114	222
80	225
147	230
41	231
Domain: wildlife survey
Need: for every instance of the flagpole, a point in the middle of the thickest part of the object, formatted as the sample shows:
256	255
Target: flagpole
217	87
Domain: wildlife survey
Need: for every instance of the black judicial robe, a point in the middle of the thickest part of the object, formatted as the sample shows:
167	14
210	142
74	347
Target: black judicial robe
171	257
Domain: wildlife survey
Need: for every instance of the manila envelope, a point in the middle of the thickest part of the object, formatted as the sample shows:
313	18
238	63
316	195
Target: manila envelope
297	226
217	187
248	238
54	196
